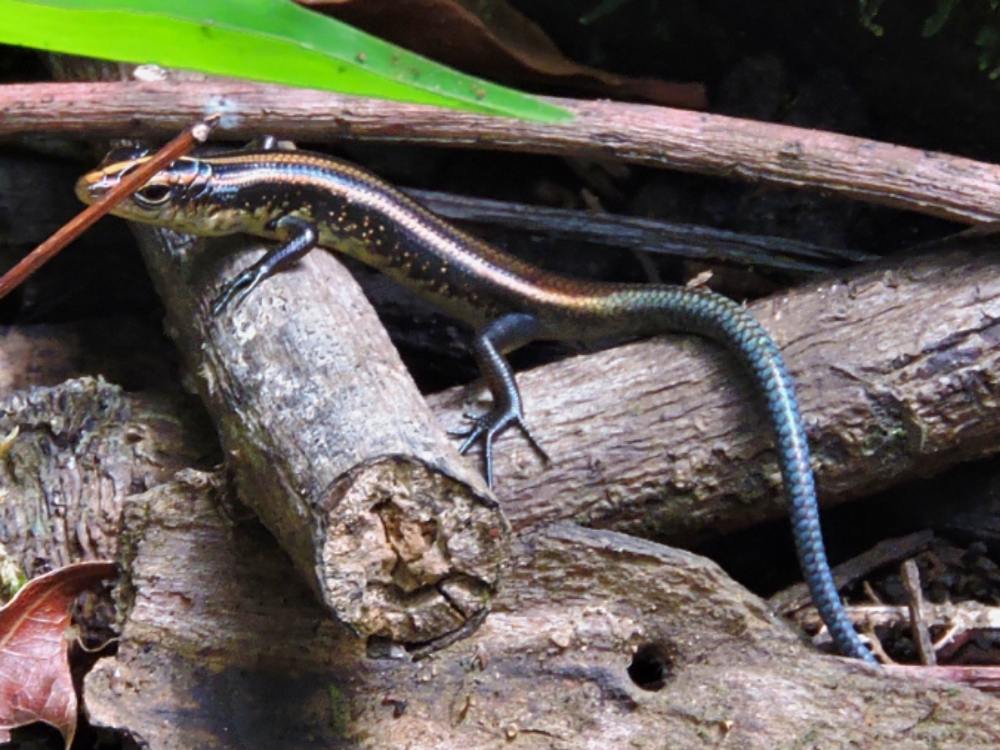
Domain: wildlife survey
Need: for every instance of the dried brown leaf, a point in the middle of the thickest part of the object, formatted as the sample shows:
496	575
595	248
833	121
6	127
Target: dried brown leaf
35	679
491	39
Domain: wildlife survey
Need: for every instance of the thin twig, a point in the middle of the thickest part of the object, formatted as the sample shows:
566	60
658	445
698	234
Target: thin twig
918	623
188	139
967	615
886	552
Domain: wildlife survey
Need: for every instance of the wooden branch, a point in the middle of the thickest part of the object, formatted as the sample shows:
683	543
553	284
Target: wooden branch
222	643
223	640
941	185
898	375
960	617
331	443
218	618
918	616
665	438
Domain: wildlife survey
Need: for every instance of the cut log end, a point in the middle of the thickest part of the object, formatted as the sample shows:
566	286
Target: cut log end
408	554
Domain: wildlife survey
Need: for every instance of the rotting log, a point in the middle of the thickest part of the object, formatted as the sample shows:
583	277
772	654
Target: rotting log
331	444
224	648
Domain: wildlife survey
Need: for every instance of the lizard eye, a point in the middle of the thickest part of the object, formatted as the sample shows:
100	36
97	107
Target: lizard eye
152	196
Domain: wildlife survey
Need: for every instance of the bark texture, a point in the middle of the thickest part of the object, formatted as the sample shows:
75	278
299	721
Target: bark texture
898	376
223	648
72	454
331	443
938	184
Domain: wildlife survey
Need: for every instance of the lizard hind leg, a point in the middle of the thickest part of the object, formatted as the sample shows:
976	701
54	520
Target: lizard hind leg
498	337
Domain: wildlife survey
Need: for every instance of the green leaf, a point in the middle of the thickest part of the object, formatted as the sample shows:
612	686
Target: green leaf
936	22
868	10
266	40
988	41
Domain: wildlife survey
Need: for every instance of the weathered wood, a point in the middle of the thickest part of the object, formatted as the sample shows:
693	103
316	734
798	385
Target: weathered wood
331	443
938	184
80	449
664	438
219	629
898	374
223	648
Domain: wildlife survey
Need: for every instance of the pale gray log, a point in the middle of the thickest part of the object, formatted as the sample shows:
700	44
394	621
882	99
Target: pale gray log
331	443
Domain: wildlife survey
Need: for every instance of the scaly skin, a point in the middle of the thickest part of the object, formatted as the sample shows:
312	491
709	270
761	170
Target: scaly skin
306	200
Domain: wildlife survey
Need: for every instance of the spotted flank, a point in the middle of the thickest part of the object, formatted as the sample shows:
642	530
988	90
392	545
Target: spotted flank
305	200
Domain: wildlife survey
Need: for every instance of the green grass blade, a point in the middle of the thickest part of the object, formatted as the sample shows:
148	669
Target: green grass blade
267	40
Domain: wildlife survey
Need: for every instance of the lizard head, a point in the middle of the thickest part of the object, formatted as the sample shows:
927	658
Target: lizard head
178	197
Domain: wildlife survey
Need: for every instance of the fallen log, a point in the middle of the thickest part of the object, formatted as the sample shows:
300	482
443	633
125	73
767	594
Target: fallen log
898	376
331	444
598	640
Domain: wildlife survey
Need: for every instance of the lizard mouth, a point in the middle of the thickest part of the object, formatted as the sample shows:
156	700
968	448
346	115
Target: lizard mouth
94	185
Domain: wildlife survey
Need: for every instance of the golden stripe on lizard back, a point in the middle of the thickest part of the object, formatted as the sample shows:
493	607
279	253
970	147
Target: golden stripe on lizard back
304	200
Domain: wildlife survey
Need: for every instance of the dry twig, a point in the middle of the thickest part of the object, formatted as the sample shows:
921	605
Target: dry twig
938	184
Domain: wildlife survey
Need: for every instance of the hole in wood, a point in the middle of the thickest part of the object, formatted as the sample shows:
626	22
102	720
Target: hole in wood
650	667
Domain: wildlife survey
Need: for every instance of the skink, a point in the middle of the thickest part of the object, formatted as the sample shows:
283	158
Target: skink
304	200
